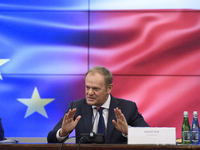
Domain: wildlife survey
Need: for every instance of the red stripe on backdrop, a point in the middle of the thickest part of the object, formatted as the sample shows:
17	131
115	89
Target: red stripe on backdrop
146	43
155	59
147	10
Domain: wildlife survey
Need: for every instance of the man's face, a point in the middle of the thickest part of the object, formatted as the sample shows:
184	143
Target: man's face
95	89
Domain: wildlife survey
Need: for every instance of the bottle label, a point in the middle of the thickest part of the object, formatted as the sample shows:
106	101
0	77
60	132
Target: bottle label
186	136
195	136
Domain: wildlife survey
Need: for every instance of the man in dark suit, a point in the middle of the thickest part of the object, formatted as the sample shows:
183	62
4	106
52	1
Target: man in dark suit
118	114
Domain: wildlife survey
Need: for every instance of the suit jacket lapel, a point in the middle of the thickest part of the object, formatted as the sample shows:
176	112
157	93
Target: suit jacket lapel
110	127
86	111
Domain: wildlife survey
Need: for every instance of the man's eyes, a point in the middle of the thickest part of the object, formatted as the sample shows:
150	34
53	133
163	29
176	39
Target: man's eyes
96	89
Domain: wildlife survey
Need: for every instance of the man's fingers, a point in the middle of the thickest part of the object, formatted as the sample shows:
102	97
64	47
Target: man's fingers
77	119
114	122
65	117
72	112
120	124
70	115
118	114
123	118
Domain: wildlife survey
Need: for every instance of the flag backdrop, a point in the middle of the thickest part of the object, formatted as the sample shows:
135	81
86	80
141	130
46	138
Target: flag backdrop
152	48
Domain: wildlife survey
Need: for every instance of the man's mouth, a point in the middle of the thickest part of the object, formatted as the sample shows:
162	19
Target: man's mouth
90	98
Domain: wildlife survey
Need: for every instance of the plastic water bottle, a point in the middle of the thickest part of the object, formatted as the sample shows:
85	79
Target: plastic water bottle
186	129
195	129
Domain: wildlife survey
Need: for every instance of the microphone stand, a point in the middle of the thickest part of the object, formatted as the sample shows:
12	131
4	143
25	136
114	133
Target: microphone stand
92	137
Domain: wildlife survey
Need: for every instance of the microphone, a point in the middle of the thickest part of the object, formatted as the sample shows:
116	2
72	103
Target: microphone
92	137
92	133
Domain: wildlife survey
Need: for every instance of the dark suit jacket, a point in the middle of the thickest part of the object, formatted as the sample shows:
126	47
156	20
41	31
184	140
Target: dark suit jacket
128	108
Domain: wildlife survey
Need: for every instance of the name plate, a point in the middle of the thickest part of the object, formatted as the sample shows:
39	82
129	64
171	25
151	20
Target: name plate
151	135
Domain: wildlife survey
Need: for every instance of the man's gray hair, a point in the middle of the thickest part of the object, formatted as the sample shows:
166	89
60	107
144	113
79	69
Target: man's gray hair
108	77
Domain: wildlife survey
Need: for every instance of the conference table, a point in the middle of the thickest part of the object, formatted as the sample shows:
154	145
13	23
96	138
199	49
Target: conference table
44	146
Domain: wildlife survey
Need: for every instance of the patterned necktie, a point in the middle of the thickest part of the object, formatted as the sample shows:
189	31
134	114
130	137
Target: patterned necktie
101	125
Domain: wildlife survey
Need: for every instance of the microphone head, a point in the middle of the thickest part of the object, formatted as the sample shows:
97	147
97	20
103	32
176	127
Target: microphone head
98	108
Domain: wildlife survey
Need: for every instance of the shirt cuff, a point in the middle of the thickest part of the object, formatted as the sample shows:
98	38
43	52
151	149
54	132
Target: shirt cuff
59	138
126	135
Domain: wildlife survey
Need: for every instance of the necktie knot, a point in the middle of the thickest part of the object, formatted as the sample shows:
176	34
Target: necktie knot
100	110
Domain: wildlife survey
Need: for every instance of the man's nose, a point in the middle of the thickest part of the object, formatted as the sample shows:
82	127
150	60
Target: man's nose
90	91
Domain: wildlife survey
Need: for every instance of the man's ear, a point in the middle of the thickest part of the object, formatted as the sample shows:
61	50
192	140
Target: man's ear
109	89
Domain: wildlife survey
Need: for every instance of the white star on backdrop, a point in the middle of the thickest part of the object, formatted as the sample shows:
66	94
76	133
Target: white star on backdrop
3	61
36	104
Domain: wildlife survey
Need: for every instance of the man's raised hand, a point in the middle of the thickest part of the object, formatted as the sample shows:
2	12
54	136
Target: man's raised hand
69	123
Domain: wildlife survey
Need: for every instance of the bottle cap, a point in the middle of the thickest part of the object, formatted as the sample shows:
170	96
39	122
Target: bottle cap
185	113
195	113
